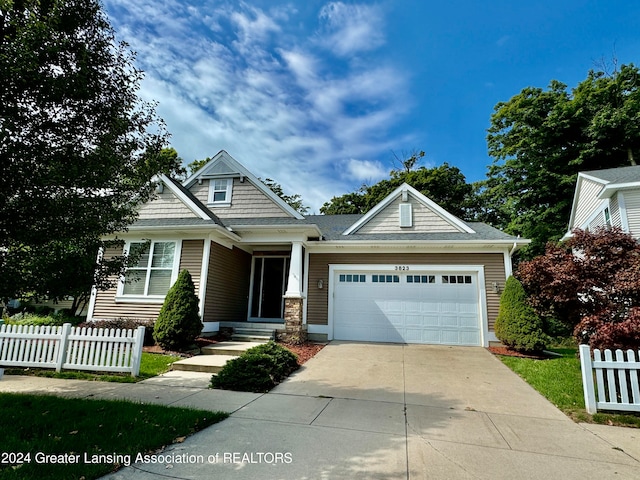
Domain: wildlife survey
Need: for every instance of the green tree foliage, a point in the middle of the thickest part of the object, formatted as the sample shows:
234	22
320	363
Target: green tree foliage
591	283
540	139
294	201
178	323
517	325
78	148
445	185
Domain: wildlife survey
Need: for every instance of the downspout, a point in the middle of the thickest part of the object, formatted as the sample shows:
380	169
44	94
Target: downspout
515	246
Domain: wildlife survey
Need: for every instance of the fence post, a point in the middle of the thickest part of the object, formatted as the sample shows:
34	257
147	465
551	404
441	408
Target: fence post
587	379
62	349
136	355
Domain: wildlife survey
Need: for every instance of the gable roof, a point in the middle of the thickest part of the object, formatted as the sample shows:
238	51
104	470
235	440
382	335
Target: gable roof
615	175
224	165
426	202
190	201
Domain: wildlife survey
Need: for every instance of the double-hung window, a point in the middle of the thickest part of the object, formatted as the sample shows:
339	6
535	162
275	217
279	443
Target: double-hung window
151	274
220	191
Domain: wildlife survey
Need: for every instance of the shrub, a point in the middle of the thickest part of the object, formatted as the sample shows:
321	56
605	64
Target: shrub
125	323
599	332
179	323
517	326
259	369
54	319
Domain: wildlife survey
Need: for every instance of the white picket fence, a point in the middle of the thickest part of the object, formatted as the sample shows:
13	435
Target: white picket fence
616	380
67	347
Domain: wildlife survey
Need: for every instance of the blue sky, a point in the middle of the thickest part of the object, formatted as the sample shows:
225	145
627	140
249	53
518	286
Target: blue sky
320	95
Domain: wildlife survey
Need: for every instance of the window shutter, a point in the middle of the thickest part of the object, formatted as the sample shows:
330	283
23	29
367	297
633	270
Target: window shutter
405	215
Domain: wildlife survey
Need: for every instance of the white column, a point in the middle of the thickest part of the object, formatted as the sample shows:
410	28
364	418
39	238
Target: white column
294	282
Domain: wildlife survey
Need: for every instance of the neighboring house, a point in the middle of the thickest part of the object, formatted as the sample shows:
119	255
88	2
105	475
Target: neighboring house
407	271
607	198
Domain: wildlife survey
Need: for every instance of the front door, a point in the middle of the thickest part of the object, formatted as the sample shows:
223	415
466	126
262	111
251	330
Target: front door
269	284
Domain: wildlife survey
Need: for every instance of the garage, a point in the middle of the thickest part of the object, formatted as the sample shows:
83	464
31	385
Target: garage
407	304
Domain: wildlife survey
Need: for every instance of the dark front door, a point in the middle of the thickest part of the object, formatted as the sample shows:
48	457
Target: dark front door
269	284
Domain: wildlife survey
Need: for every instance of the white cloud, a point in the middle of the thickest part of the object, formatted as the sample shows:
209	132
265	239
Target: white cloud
366	170
234	77
351	28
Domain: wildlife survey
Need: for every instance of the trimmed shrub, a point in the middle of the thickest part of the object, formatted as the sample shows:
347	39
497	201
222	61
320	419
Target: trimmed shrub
259	369
517	326
125	323
178	324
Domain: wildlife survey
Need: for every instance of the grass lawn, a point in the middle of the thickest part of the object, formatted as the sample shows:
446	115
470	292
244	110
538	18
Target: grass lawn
151	364
560	381
44	425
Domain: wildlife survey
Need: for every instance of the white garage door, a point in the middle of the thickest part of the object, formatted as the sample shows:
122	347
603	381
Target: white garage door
411	307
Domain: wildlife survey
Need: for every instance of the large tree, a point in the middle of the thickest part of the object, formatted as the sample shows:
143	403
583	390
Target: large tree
445	185
78	148
540	139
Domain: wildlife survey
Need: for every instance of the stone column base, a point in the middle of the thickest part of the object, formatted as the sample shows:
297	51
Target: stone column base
295	331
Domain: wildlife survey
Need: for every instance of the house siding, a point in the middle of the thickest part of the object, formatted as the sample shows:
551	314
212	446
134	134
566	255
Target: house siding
318	299
106	306
247	201
597	222
614	209
424	220
165	205
587	202
227	285
632	204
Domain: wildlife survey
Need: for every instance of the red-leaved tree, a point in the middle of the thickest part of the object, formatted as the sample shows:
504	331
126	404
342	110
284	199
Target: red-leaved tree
591	283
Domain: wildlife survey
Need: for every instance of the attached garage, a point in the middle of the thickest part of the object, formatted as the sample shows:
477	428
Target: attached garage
409	303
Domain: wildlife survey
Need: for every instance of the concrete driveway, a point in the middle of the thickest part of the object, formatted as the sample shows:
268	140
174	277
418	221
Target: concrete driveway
388	411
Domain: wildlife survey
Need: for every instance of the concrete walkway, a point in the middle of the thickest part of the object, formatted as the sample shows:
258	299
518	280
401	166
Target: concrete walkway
380	411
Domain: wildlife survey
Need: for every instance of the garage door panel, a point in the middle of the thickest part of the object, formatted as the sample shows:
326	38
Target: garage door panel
401	311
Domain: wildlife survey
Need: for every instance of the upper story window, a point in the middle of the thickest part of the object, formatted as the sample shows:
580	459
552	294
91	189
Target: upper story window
220	191
152	274
607	217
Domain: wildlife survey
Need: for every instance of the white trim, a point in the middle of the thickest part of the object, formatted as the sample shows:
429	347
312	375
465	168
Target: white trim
121	297
204	274
227	195
597	211
446	216
477	269
305	287
610	189
622	206
242	172
94	291
184	198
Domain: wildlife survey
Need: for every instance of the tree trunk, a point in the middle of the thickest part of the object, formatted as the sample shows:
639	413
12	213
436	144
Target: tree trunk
630	156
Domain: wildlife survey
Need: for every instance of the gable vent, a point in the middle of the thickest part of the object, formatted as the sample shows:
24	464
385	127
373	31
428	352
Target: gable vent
406	219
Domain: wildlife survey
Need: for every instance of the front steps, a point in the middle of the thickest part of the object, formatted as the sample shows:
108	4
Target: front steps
261	335
213	357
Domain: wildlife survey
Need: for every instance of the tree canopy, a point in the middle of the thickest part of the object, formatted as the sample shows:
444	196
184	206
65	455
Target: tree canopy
445	185
540	139
78	148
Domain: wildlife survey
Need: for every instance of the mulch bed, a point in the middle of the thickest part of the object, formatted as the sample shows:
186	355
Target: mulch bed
304	351
512	353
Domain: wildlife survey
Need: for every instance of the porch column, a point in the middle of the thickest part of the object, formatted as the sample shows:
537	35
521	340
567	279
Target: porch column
294	282
293	299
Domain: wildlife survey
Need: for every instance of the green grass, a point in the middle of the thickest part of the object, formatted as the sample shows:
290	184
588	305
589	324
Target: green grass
560	381
151	365
32	424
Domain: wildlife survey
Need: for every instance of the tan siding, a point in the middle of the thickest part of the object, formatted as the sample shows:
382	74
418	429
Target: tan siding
227	285
166	205
424	220
587	201
246	201
632	205
318	300
191	259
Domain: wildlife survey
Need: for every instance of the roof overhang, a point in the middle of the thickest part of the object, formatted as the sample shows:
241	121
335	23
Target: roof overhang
479	246
610	189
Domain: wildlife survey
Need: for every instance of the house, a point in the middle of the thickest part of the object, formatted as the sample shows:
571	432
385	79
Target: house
407	271
607	198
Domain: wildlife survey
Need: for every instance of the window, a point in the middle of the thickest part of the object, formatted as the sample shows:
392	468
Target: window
385	278
353	278
607	217
151	275
421	279
220	191
456	279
